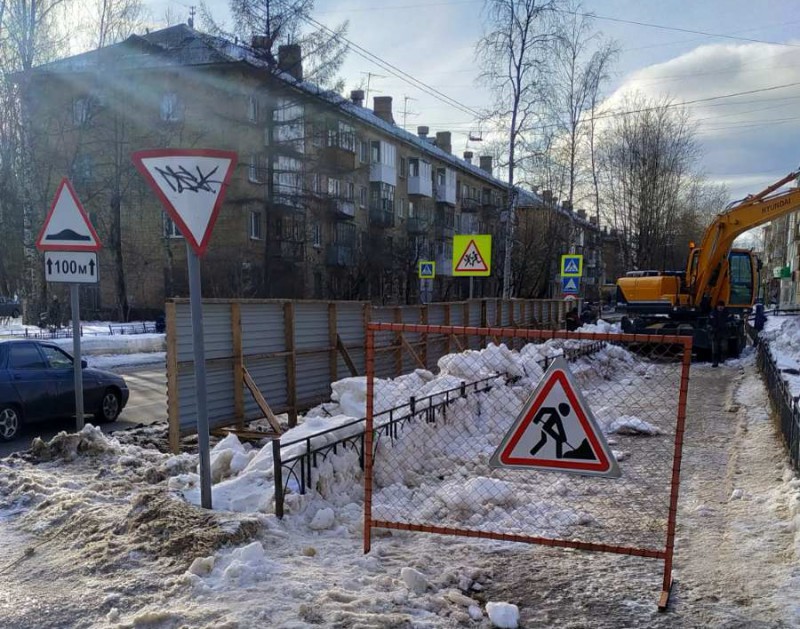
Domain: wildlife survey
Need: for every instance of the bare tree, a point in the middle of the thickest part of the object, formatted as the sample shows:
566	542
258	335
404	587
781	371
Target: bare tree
647	156
511	52
114	20
578	67
277	22
30	34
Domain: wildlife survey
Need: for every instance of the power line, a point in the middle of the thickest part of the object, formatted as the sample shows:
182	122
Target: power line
673	28
397	72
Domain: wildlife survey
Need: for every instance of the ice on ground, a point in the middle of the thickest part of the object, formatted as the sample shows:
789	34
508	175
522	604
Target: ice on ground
631	425
503	615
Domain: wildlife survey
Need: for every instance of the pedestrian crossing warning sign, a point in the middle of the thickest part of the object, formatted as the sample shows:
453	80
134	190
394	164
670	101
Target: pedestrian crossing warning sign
427	269
556	431
570	285
571	265
472	255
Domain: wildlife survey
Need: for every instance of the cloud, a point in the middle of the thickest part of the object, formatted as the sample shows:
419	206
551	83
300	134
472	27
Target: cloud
748	140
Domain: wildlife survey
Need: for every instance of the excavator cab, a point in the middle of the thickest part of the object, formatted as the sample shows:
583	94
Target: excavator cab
743	269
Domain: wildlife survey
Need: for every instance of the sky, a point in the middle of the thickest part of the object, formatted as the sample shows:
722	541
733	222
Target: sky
747	141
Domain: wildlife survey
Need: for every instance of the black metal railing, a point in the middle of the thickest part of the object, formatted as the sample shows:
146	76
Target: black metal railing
297	468
784	403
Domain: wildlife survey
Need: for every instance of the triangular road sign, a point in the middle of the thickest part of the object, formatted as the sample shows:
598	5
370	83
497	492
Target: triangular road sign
556	431
570	285
471	259
571	266
67	227
191	184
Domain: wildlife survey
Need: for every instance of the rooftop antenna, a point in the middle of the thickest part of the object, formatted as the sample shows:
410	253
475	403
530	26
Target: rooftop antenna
369	80
192	13
405	109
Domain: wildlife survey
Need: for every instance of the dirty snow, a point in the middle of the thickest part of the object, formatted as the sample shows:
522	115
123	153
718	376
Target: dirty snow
100	531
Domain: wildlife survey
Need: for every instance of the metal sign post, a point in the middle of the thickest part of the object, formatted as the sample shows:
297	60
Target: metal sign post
70	244
191	185
198	342
75	305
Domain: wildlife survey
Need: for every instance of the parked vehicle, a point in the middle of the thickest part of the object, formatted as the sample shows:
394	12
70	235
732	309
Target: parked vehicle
9	307
37	385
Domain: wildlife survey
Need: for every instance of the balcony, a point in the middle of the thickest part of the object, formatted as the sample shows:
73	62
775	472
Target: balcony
445	194
417	225
443	232
337	159
470	205
340	256
381	214
288	250
344	209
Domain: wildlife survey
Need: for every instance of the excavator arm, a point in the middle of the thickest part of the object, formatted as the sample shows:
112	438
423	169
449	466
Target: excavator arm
708	263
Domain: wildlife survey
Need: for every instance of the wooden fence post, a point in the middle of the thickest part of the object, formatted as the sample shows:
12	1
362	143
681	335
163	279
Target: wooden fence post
291	362
238	364
173	405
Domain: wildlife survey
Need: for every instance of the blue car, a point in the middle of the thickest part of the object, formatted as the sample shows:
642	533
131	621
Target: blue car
37	384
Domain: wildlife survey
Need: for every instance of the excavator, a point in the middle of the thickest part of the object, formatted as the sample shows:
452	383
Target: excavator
679	302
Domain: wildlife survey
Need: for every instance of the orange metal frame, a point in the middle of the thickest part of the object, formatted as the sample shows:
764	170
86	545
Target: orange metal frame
540	335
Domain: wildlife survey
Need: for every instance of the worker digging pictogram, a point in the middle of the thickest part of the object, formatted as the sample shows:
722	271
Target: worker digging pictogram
556	431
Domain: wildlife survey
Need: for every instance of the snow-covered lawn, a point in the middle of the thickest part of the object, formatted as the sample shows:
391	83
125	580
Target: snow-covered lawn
103	531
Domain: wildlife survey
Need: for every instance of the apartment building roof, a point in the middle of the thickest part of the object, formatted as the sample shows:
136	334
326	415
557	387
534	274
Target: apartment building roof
181	45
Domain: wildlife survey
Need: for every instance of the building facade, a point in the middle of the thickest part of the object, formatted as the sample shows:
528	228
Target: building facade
329	200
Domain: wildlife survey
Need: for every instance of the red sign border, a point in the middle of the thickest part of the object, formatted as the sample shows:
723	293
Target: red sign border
461	259
138	157
41	246
603	465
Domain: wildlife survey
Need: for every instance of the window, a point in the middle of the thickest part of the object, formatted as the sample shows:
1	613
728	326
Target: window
170	107
170	228
363	151
440	177
341	134
255	226
412	211
401	208
257	172
349	190
403	166
57	358
382	197
316	235
362	196
80	111
413	168
334	187
25	356
376	152
252	108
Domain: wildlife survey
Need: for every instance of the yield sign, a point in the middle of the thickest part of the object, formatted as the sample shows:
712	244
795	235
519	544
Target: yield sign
67	227
556	431
191	184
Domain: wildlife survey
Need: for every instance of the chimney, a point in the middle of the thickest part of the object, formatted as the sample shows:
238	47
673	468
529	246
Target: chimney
357	96
547	195
582	214
567	205
468	156
593	220
422	132
443	141
290	60
383	108
486	163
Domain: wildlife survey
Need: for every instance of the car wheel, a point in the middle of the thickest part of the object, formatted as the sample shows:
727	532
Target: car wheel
10	423
15	314
110	407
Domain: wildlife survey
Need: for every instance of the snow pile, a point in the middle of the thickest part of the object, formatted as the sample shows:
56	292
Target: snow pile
503	615
89	441
631	425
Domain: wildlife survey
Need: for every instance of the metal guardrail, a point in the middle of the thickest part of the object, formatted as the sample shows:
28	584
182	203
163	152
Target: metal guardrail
782	400
428	409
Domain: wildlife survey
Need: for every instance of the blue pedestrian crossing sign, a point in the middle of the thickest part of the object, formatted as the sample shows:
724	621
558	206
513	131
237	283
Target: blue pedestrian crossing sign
571	265
570	285
427	269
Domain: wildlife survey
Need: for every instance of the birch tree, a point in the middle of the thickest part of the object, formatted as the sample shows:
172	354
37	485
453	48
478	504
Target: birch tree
511	52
